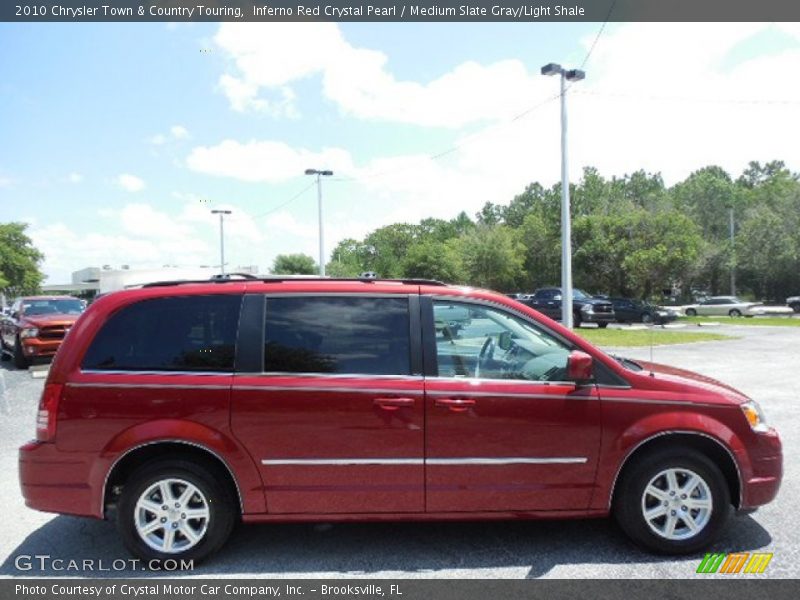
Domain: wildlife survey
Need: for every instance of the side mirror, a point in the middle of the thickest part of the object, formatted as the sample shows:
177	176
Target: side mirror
15	315
580	367
557	297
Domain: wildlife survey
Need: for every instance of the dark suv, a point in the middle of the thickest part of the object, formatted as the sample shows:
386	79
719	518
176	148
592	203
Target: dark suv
585	309
182	408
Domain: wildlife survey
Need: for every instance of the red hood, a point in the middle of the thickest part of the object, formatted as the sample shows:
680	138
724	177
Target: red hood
693	379
49	320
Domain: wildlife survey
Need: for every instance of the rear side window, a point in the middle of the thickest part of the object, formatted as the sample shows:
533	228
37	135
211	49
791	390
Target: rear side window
191	333
337	335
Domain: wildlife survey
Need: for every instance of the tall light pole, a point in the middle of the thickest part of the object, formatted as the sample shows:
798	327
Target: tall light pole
733	250
319	175
566	222
221	214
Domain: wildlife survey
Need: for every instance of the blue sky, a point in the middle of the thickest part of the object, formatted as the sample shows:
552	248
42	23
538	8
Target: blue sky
120	138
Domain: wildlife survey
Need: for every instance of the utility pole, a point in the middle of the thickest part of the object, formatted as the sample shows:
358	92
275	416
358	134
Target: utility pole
566	221
319	175
733	251
221	214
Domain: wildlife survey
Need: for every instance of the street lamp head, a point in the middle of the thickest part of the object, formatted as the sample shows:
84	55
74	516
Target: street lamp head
220	212
318	172
575	75
552	69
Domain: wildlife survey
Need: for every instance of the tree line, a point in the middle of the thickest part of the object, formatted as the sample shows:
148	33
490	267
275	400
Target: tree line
632	236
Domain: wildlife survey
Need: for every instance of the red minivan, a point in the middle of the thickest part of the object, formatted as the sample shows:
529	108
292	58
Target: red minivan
180	408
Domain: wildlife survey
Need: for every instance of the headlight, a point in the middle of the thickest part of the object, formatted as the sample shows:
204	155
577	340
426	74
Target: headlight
29	332
754	415
587	308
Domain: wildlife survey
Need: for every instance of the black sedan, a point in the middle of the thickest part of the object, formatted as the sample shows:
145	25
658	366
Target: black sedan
628	310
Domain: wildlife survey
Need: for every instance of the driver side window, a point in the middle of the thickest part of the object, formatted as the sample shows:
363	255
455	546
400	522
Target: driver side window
475	341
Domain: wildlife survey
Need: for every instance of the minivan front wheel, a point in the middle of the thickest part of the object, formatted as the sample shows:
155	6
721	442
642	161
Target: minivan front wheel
673	501
174	510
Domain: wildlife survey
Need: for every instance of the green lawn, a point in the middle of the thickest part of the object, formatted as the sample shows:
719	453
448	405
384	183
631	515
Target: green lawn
772	321
644	337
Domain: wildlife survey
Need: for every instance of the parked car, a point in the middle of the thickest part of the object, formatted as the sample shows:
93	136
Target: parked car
182	408
585	309
629	310
794	303
35	327
732	307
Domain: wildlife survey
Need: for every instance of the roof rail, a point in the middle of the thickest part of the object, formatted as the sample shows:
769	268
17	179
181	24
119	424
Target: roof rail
285	279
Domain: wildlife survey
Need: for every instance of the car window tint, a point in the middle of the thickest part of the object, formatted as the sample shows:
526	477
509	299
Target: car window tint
512	347
192	333
357	335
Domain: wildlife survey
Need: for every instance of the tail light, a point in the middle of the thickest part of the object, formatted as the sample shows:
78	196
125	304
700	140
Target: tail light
48	410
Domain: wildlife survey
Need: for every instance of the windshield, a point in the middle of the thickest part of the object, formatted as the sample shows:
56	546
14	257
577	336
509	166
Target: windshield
66	306
579	294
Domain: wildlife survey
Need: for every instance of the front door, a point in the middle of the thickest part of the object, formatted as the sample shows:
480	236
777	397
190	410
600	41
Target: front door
335	420
505	431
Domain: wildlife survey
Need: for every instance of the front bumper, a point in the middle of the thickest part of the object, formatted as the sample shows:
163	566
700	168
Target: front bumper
53	481
594	317
34	347
763	483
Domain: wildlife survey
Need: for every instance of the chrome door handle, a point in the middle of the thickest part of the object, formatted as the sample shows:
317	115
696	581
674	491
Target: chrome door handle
455	404
393	403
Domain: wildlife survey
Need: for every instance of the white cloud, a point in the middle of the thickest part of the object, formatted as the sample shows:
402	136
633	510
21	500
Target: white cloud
358	80
130	183
5	182
74	177
176	132
179	132
268	161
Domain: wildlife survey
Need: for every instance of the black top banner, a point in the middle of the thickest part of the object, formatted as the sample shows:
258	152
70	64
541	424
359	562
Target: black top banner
398	11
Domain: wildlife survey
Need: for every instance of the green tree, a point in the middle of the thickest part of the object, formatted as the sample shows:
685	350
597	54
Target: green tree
19	261
493	258
294	264
432	259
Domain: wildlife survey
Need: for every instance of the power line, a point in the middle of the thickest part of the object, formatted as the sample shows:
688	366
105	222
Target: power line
287	202
685	98
599	34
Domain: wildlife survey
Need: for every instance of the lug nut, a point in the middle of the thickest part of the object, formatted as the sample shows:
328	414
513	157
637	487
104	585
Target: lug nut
672	493
163	519
672	512
683	508
183	515
666	503
175	525
683	496
177	505
165	507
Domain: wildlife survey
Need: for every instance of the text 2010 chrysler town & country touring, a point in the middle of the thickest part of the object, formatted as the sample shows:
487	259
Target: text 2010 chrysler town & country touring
186	407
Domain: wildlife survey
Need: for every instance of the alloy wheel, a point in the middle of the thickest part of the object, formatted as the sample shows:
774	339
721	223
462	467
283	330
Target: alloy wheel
172	516
677	504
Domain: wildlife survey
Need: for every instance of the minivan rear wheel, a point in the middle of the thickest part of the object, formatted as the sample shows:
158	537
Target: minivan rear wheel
673	501
175	509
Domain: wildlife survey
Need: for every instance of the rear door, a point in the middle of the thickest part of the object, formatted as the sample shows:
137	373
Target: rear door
505	431
333	412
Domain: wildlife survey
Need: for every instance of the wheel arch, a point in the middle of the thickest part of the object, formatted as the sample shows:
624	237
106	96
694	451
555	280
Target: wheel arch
127	462
704	443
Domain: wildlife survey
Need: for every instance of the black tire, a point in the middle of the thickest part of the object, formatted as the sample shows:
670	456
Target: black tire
734	312
628	500
602	325
795	307
4	353
222	507
576	320
20	361
690	312
647	318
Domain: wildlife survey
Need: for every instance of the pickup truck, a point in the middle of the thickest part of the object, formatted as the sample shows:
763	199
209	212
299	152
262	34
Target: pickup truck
585	309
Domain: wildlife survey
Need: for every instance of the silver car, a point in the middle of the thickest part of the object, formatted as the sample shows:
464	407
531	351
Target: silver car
731	306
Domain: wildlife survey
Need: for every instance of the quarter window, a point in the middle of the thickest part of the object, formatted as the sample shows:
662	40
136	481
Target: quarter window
488	343
191	333
356	335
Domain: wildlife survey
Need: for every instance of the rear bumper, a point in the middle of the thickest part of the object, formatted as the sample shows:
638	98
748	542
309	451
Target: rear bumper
53	481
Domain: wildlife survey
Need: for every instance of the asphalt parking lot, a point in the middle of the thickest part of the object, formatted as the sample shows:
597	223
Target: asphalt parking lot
762	362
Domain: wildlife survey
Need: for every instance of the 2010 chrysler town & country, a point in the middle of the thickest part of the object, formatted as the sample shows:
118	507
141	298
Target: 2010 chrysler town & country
186	407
